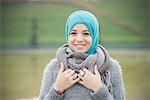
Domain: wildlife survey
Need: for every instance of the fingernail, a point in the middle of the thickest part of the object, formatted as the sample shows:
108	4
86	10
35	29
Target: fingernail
61	63
84	69
82	73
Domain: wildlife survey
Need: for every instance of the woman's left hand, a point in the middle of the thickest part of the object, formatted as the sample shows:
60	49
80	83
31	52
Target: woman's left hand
90	80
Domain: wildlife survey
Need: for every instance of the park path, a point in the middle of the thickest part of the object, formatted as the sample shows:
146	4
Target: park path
32	52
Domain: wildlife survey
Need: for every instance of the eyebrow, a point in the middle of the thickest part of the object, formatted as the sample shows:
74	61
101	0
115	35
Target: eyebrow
86	30
83	31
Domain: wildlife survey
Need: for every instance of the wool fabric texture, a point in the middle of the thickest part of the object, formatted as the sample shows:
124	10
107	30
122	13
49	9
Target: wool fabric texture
78	61
88	19
79	92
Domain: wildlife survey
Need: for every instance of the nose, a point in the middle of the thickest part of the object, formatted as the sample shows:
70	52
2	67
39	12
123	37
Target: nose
79	38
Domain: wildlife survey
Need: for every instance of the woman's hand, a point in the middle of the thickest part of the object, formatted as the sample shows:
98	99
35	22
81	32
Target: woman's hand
65	79
90	80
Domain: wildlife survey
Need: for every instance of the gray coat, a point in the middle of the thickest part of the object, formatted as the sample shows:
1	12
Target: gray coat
79	92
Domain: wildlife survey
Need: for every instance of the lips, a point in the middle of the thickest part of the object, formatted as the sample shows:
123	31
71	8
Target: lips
79	46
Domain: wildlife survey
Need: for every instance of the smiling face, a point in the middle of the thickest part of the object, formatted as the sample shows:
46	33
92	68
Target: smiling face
80	39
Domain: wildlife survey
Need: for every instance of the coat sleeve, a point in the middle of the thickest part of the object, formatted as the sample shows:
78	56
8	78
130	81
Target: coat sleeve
117	85
47	91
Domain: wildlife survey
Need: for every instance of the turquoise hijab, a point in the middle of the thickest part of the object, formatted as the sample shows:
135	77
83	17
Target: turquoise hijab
88	19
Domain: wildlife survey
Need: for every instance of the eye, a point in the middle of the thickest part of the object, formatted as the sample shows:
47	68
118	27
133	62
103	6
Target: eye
73	33
86	33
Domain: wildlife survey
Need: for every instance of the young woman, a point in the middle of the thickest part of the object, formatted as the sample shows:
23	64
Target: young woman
82	69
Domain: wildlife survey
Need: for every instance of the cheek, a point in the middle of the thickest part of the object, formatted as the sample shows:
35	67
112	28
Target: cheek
71	40
89	41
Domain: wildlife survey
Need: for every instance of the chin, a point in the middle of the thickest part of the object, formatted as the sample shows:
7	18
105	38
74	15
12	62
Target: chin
80	51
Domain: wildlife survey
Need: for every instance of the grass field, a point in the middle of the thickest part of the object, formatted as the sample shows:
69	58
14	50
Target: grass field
22	73
122	22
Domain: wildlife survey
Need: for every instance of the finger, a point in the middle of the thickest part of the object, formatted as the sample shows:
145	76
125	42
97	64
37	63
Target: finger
81	82
61	69
96	70
85	70
76	80
74	76
81	72
67	71
71	72
80	77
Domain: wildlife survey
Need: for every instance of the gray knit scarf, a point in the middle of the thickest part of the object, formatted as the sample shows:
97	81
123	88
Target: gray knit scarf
78	61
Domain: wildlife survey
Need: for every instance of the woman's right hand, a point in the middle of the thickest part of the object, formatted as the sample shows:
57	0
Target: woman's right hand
65	79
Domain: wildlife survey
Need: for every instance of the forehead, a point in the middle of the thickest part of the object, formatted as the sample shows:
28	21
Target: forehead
80	27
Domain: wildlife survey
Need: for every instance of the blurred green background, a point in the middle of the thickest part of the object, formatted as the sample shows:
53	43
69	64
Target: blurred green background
32	30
